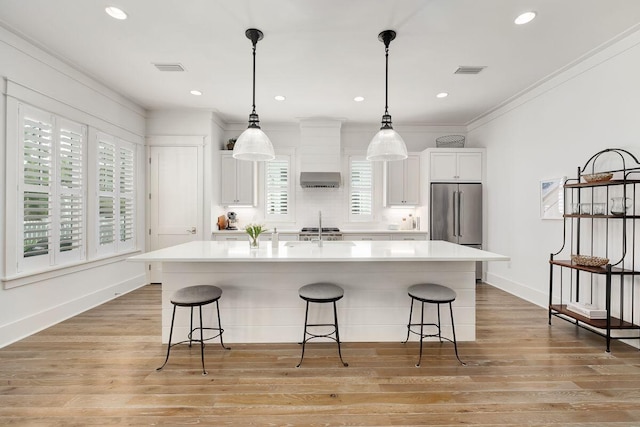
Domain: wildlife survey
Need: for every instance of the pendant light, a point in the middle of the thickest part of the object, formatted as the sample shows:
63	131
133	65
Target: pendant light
387	144
253	143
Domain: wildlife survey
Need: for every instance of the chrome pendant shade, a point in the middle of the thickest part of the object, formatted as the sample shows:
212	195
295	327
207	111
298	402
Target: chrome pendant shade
387	144
253	144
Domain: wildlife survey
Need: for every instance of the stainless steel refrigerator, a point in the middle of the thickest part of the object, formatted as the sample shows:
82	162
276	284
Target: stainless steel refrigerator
456	215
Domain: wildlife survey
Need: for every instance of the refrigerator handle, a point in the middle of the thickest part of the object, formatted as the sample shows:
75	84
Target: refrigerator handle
456	210
460	213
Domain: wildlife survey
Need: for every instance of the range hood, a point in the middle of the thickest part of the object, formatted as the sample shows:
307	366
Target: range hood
320	179
320	156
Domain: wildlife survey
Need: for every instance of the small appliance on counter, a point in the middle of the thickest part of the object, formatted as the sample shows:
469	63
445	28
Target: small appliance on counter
233	221
222	222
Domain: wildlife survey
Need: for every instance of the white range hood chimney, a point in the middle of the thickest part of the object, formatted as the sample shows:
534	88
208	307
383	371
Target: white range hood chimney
320	156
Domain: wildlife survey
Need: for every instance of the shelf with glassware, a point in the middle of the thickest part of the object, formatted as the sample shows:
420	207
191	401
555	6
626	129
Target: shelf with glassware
595	288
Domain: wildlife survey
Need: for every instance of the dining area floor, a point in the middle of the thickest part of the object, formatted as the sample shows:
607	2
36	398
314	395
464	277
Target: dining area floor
99	369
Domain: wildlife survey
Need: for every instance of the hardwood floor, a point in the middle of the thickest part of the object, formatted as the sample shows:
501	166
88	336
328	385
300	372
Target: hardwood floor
98	368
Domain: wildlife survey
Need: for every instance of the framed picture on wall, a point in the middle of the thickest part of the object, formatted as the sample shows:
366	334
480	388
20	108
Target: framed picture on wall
552	198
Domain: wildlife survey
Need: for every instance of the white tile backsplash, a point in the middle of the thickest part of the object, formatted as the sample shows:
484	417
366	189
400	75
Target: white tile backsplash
331	201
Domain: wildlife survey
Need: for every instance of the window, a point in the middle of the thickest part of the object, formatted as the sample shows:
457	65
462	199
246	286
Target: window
360	189
116	194
278	203
51	190
70	192
49	203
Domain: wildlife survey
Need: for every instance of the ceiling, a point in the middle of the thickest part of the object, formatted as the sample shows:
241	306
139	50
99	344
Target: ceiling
320	54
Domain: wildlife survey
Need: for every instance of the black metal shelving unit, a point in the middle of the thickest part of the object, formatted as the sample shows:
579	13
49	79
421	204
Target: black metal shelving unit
607	235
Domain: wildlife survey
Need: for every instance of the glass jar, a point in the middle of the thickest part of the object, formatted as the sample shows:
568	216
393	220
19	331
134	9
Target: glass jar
619	205
599	208
585	208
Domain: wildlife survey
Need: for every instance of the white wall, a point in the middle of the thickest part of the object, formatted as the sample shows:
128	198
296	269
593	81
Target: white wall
56	87
548	133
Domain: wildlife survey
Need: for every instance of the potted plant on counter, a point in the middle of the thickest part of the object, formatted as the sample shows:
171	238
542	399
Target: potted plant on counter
254	231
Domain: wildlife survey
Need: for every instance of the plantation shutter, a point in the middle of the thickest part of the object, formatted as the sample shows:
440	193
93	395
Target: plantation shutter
72	137
361	190
127	197
277	188
37	185
106	193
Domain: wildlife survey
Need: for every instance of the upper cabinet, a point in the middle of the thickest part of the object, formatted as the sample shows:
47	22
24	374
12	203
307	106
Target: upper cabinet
455	165
402	185
238	178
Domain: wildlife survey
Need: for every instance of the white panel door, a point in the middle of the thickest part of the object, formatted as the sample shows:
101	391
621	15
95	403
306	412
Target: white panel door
175	198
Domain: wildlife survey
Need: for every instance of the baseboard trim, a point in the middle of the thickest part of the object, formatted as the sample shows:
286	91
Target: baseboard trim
518	289
27	326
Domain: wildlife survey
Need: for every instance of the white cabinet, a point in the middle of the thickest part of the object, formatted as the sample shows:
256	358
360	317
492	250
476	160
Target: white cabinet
403	182
231	237
282	237
407	236
238	178
455	166
362	236
385	236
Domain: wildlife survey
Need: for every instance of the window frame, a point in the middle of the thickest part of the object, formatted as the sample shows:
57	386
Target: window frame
116	245
65	119
54	256
289	216
353	188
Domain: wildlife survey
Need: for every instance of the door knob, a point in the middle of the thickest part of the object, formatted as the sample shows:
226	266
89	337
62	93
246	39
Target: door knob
192	230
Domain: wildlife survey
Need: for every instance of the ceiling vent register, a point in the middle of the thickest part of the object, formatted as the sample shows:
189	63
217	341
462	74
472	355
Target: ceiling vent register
469	69
169	67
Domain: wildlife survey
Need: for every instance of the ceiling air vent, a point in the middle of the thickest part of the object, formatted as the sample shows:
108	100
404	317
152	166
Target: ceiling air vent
169	67
463	69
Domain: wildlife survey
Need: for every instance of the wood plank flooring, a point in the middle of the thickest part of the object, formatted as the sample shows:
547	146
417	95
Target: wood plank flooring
98	369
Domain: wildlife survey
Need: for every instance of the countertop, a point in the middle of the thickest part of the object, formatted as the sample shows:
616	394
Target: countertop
331	251
343	231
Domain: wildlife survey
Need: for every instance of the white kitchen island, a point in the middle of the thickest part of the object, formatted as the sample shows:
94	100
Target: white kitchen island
260	301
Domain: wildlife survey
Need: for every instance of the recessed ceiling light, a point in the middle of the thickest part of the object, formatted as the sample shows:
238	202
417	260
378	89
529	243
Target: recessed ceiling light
195	92
279	98
442	95
525	18
359	98
115	12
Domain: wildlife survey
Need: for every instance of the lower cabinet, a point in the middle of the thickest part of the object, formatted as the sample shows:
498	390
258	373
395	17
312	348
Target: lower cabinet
360	236
282	237
385	236
235	236
230	237
412	236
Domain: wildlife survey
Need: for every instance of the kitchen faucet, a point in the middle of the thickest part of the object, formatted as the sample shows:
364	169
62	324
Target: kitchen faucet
319	228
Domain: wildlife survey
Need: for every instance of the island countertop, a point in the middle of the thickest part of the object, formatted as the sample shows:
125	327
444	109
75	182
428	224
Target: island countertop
330	251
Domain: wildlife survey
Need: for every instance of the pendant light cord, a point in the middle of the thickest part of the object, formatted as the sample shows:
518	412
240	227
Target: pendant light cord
386	80
254	79
254	35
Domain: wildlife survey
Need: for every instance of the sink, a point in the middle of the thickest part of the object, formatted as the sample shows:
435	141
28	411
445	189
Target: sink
295	243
